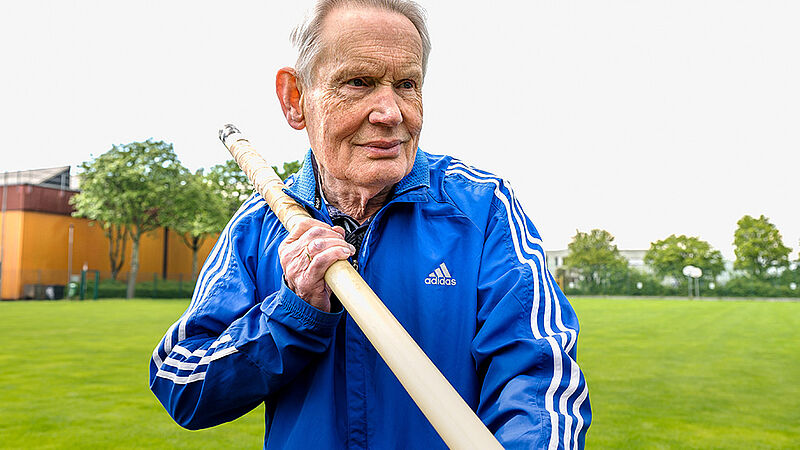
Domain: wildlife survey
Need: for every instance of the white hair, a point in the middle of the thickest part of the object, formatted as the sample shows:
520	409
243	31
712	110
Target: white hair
306	36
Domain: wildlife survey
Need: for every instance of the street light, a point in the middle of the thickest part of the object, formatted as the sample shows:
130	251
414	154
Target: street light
692	272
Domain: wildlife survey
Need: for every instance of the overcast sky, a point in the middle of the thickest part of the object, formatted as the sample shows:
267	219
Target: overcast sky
642	118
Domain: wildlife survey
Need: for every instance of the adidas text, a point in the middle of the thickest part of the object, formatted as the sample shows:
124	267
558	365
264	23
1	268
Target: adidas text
441	280
441	276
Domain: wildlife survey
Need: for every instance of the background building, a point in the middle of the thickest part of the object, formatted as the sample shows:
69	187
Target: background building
564	275
41	244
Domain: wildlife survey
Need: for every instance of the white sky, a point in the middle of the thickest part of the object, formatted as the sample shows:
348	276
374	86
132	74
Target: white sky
643	118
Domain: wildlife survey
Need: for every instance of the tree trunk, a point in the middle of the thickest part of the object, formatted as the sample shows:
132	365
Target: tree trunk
134	265
117	241
194	243
194	259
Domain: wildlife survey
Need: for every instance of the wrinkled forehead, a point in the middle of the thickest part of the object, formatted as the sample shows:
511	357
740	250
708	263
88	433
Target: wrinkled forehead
357	35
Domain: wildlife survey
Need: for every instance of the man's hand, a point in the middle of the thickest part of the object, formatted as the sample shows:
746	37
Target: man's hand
305	256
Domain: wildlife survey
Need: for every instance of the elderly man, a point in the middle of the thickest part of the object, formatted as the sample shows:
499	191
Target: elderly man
446	247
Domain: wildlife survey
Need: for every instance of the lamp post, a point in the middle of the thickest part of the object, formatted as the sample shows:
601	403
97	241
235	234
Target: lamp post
693	273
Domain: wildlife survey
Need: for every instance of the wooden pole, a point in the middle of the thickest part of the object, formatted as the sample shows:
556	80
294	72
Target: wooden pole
456	423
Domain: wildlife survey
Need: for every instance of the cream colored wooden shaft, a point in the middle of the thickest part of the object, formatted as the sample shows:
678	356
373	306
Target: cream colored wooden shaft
449	414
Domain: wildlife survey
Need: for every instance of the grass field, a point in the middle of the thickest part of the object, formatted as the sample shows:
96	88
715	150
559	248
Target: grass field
689	374
661	373
74	374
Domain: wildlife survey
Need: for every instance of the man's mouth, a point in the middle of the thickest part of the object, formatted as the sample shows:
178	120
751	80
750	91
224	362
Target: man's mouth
383	143
383	147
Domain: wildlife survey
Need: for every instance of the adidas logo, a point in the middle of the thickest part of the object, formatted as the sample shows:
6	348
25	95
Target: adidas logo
441	276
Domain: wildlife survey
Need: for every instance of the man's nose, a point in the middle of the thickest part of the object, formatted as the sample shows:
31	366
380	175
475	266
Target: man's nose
385	110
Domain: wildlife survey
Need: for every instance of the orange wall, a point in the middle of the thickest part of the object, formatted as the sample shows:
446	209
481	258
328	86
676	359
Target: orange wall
37	249
11	226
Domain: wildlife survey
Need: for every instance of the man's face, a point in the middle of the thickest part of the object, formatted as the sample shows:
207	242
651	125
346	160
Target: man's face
363	112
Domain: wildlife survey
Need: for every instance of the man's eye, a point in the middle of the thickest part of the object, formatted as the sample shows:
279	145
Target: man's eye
357	82
407	84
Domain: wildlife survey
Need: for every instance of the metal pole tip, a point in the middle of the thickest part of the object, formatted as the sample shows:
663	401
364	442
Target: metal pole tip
227	130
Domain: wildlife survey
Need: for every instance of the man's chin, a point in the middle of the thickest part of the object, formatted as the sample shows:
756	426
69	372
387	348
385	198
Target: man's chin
380	175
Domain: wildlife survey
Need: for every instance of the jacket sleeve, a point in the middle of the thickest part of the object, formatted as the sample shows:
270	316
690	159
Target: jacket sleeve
231	349
533	395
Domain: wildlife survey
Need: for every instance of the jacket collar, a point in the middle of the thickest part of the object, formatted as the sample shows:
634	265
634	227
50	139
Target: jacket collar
303	184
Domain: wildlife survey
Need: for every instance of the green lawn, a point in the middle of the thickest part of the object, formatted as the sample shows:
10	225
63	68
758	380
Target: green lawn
662	374
75	374
681	374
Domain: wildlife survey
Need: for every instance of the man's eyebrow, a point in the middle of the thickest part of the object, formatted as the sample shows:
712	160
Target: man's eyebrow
350	68
411	71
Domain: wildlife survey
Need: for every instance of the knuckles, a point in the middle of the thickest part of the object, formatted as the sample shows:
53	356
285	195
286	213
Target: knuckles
325	244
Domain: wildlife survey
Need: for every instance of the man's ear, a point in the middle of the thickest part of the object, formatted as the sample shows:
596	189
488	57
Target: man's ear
288	90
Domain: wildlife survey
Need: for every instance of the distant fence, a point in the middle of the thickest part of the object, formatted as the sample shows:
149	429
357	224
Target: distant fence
638	283
56	284
94	284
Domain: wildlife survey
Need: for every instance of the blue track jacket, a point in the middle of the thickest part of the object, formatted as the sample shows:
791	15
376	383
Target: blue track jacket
454	258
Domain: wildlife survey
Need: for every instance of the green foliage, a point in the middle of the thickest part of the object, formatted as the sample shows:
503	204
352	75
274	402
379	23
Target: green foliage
791	275
151	287
288	169
759	248
669	256
135	188
134	185
208	200
131	184
745	286
628	282
651	285
597	260
200	211
231	184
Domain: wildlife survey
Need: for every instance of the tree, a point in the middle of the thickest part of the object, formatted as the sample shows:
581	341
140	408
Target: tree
759	248
288	169
669	256
200	211
207	202
117	235
596	258
229	182
132	185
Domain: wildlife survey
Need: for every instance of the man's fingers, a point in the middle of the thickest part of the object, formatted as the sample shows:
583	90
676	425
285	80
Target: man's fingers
320	262
319	244
304	225
310	231
307	253
339	230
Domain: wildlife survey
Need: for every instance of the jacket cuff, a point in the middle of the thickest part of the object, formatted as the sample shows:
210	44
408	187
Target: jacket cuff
314	318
